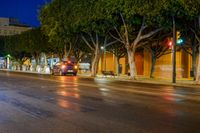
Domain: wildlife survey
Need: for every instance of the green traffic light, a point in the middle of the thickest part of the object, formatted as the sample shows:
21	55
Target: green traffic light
179	41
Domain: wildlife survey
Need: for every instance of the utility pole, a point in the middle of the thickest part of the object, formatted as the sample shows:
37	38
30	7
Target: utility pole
174	52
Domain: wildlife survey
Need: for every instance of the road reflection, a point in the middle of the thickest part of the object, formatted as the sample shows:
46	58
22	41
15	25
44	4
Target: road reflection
68	90
104	91
65	93
172	95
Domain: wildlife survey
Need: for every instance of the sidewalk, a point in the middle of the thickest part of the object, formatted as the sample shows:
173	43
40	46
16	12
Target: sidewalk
140	79
19	71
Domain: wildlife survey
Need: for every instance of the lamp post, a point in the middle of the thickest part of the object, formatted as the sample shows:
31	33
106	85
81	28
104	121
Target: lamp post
174	52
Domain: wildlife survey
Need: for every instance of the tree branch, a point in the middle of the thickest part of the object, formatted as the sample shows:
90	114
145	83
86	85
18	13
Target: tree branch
93	42
105	41
139	33
142	44
119	34
84	39
97	41
149	34
187	51
125	29
163	54
108	44
196	36
70	48
116	38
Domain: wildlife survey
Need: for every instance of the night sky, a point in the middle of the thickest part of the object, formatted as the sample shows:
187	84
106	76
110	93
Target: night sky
25	10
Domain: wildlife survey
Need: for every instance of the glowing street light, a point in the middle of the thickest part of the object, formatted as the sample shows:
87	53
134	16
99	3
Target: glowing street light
102	47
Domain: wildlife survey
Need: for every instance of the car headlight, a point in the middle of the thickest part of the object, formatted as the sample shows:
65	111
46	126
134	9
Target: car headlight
63	66
75	67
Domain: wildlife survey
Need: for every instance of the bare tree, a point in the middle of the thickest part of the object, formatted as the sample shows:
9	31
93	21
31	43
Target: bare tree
132	44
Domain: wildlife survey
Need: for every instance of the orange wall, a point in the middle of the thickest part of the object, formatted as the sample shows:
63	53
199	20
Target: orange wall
147	63
110	63
163	67
139	62
185	64
123	62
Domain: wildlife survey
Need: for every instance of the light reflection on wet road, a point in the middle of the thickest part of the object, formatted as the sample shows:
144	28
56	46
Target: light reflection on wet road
59	104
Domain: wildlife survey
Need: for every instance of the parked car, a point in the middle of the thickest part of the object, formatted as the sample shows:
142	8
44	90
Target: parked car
65	67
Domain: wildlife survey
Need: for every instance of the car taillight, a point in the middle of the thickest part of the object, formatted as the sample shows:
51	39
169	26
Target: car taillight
63	66
75	67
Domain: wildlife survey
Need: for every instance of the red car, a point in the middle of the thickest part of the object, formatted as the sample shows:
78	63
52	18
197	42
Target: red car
65	67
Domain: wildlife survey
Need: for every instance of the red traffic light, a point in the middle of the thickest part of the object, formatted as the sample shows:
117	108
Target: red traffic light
170	43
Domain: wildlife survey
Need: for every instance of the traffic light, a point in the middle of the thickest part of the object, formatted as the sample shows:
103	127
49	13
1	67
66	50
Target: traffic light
179	40
178	35
169	42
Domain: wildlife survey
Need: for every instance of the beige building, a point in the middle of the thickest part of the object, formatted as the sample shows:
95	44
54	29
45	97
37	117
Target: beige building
10	26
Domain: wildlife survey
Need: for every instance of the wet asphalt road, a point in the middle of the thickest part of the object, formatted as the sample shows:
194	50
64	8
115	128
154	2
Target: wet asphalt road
65	104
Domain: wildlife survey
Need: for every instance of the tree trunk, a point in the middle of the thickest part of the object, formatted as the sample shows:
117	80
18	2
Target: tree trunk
60	56
45	59
20	64
37	60
194	61
36	57
153	62
199	21
65	56
131	60
198	70
198	67
95	62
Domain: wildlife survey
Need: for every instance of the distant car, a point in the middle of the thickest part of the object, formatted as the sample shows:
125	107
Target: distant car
65	67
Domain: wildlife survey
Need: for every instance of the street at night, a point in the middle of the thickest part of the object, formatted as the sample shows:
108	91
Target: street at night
31	103
100	66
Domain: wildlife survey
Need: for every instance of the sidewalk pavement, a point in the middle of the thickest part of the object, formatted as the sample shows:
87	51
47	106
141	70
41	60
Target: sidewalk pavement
19	71
183	82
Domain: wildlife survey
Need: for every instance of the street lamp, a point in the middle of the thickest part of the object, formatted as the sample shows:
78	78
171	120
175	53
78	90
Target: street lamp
8	55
